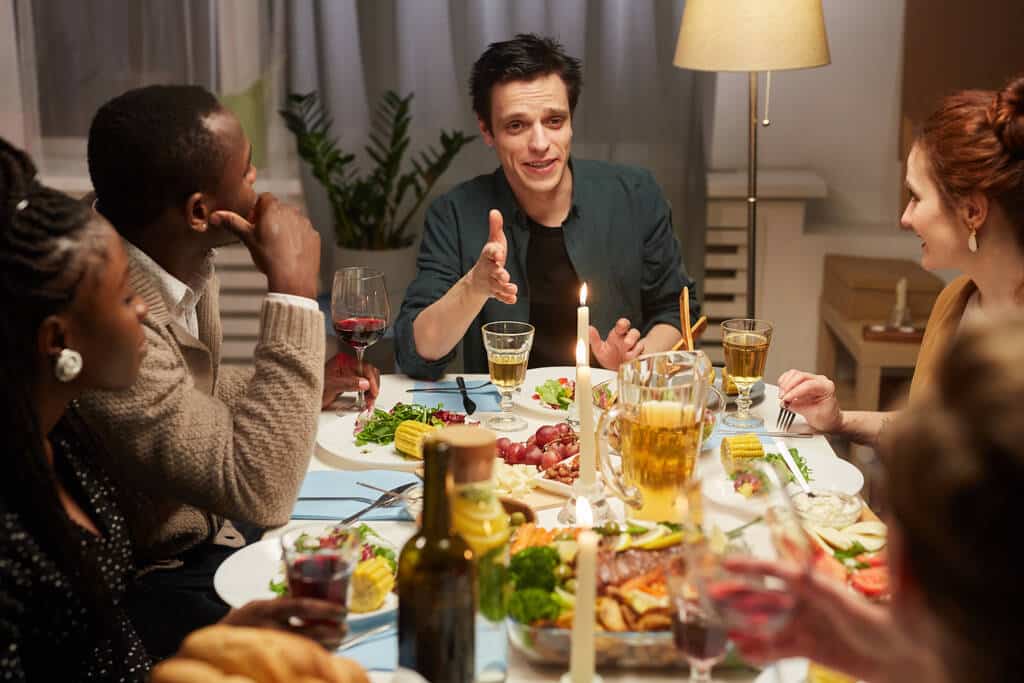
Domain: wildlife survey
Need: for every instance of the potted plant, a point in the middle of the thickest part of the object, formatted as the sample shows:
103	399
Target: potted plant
372	210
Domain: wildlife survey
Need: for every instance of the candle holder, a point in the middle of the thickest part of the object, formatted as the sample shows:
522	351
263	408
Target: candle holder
567	678
594	495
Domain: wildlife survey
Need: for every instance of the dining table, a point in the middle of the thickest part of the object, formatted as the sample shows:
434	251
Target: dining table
395	388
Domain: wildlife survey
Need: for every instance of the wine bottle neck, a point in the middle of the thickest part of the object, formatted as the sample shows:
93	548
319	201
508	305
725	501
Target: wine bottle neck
437	516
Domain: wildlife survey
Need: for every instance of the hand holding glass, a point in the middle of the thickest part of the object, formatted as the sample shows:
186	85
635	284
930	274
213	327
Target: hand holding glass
360	310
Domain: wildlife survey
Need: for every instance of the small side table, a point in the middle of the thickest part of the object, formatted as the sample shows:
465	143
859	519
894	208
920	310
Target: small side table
869	357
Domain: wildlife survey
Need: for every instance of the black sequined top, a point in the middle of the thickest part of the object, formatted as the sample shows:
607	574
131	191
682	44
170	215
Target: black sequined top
45	631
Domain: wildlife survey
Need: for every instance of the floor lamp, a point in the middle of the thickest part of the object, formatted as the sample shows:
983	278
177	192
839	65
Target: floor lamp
752	36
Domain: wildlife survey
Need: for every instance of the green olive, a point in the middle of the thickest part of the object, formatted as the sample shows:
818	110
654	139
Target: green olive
563	572
517	519
570	586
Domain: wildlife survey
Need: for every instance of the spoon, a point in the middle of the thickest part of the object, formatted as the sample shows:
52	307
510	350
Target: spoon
467	402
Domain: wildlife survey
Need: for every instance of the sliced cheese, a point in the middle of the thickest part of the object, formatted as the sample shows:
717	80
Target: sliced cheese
837	539
870	543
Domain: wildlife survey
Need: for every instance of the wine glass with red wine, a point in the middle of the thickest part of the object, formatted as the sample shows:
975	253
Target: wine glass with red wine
698	632
360	311
754	604
319	561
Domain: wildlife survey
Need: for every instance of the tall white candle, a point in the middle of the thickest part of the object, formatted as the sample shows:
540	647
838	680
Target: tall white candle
901	293
581	660
583	323
585	409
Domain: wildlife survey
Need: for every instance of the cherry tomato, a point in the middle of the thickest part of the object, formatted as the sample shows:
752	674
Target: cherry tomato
872	582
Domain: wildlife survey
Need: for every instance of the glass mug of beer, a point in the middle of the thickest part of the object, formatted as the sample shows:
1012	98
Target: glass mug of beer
658	423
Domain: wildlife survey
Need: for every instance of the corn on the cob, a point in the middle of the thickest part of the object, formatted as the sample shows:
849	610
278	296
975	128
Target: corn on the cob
372	580
728	386
409	438
736	450
816	673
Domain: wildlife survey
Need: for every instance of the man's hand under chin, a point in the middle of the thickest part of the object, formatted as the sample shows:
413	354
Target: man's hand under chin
623	344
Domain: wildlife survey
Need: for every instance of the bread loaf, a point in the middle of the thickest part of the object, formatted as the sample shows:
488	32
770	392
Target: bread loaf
235	654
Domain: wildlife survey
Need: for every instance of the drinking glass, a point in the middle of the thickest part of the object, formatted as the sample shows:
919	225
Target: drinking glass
753	604
317	568
698	633
508	346
745	342
360	311
656	425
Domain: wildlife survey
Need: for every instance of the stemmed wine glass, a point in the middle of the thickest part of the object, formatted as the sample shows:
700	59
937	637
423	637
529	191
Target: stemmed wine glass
745	602
745	342
360	311
508	345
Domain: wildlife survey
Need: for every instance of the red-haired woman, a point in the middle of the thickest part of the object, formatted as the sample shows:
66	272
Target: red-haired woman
965	175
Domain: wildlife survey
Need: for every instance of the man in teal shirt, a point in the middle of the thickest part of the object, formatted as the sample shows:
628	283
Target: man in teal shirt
552	224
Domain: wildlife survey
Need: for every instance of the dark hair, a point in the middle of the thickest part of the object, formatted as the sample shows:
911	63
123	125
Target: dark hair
46	247
975	143
149	149
524	58
955	476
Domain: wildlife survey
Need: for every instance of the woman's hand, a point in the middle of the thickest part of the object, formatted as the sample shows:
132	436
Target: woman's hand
830	624
318	620
813	397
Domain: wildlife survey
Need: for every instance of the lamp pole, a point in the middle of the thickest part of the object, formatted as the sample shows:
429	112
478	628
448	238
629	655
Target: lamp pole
752	198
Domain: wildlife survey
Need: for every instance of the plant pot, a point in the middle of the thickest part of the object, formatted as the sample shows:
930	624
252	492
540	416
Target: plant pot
398	266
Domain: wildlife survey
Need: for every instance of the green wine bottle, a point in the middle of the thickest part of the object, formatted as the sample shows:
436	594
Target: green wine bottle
437	585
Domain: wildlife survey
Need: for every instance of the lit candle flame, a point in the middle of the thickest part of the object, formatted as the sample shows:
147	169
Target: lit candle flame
584	515
581	352
583	294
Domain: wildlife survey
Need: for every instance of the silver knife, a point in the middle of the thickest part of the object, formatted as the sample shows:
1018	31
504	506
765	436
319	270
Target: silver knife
366	635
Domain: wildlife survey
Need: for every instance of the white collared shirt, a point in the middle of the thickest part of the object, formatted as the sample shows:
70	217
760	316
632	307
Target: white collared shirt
182	300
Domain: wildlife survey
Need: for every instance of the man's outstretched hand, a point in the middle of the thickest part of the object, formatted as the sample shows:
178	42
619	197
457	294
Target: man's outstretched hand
623	344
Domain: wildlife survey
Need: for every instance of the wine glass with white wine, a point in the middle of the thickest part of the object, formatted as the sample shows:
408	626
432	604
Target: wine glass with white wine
508	345
745	342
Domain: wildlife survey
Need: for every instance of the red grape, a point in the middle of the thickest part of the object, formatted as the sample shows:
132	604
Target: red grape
533	455
514	454
550	459
545	435
564	428
572	449
503	444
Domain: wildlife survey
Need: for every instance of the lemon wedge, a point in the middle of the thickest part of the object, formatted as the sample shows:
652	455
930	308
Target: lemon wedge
651	536
669	539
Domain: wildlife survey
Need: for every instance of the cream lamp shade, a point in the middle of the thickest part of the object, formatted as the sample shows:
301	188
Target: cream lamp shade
752	35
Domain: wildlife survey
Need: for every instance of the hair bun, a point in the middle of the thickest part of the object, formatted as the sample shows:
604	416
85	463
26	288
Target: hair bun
1008	116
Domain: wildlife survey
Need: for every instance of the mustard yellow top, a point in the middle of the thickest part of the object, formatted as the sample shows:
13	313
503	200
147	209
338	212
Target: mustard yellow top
940	331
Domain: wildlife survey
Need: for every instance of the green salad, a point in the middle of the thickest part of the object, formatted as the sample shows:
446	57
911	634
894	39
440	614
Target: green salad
556	393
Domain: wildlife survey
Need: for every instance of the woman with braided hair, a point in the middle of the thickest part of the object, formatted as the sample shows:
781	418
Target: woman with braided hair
72	323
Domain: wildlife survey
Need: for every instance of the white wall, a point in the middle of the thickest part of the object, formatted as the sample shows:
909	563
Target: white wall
841	121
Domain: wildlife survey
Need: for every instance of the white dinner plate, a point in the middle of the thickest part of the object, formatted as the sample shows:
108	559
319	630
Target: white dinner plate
246	575
524	398
336	436
792	670
827	473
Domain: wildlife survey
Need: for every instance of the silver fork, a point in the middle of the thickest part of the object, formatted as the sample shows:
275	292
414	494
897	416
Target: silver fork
786	417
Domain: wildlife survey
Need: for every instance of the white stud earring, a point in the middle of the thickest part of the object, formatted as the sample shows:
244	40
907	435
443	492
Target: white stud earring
972	241
68	365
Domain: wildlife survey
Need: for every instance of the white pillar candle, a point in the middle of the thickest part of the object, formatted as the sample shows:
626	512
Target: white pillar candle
581	659
585	409
583	322
901	293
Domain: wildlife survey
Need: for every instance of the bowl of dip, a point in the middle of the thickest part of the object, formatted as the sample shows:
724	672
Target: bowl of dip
831	509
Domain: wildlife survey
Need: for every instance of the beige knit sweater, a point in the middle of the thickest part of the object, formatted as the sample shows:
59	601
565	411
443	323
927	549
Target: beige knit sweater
192	443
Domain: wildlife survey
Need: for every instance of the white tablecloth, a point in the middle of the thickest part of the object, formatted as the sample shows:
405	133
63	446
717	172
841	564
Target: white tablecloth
393	390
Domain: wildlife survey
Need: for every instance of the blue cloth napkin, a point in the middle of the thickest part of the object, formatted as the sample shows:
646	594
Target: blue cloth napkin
326	483
487	400
379	653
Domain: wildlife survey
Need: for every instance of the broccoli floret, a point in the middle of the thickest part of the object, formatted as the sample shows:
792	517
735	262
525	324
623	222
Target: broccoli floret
531	605
534	568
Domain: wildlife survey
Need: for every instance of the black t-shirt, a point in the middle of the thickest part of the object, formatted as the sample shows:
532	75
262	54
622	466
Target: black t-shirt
554	297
